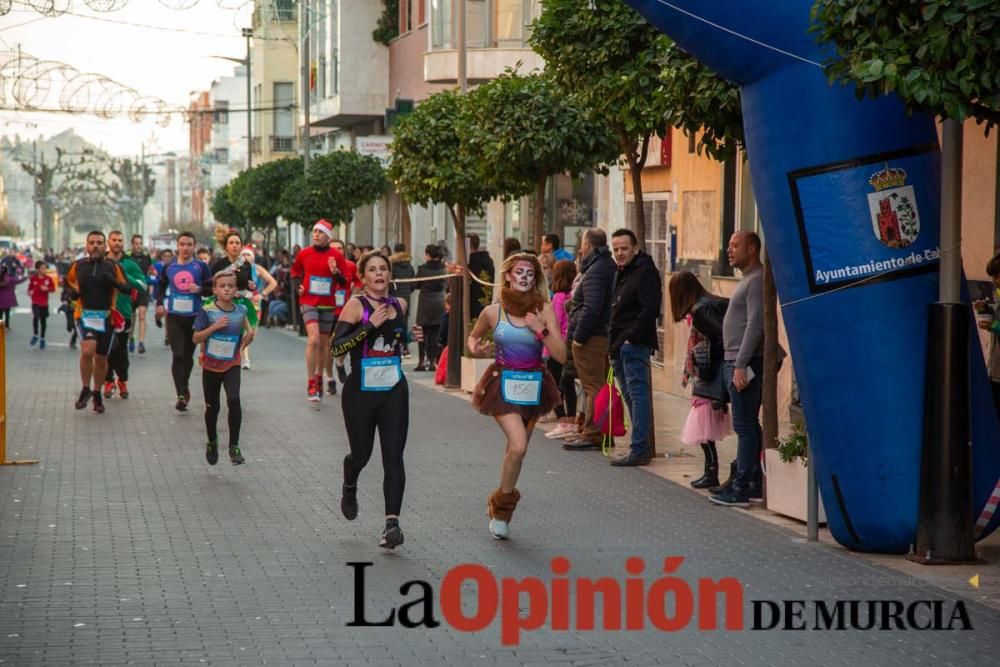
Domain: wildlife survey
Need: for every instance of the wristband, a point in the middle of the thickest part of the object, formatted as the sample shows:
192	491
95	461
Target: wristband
543	334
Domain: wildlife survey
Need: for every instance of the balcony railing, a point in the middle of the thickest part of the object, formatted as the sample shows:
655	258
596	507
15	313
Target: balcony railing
282	144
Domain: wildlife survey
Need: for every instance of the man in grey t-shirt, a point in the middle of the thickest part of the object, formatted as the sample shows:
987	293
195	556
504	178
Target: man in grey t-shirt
743	338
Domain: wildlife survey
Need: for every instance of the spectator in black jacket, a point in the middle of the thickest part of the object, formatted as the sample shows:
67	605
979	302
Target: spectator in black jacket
589	327
635	307
481	266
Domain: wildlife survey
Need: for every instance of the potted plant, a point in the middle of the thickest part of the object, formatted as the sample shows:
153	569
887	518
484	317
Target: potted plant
473	367
787	472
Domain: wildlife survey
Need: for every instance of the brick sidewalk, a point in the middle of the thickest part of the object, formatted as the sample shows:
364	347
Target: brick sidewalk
124	546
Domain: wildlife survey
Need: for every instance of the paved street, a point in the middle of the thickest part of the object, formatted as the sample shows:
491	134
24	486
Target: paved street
123	545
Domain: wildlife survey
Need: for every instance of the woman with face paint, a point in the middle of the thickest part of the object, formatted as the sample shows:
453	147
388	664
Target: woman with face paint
372	328
517	388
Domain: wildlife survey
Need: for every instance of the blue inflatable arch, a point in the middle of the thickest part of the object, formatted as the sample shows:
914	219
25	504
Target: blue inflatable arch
848	193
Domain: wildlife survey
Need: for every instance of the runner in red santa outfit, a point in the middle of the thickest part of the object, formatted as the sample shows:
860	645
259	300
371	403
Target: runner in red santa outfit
315	268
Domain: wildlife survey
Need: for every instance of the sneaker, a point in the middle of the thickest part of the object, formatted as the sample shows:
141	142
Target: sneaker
349	502
123	389
500	530
182	404
34	339
142	348
109	389
730	499
313	392
419	368
81	402
212	452
331	387
41	343
392	536
72	344
234	455
756	494
98	403
561	431
342	374
131	345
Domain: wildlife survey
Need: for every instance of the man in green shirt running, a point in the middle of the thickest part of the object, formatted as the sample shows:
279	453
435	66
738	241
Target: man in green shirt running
118	359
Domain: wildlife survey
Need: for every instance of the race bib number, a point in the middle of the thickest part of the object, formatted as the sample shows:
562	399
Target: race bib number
340	298
380	373
182	304
522	387
222	346
319	286
95	320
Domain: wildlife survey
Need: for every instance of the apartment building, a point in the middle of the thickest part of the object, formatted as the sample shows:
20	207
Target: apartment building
274	73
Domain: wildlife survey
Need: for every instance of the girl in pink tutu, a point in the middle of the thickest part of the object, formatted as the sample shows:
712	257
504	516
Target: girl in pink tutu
708	420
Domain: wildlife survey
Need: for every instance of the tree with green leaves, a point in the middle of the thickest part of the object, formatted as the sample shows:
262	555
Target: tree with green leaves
524	130
431	164
224	209
624	72
334	187
941	57
257	192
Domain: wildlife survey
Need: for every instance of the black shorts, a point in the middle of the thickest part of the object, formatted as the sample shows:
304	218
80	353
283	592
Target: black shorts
142	300
105	339
40	312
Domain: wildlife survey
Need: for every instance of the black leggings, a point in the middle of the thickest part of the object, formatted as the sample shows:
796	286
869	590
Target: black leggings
212	384
5	316
38	324
180	331
118	358
389	412
429	345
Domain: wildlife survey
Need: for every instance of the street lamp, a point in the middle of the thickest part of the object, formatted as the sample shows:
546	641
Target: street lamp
248	33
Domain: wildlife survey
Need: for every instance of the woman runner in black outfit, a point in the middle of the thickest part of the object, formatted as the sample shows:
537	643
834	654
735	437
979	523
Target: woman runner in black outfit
372	327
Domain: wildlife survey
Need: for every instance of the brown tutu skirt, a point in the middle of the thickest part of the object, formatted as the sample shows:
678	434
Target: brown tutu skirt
488	396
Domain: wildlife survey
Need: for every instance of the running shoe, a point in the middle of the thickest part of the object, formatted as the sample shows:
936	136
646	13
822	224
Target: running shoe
331	387
34	339
342	374
41	344
142	348
500	530
123	388
212	452
561	431
109	389
313	392
234	455
81	402
98	403
131	345
349	502
392	536
731	499
182	404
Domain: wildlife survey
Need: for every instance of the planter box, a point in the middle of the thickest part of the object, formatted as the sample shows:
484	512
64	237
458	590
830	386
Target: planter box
786	487
472	370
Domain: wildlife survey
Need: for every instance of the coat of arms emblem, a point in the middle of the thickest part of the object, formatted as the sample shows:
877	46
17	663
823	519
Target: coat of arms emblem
893	208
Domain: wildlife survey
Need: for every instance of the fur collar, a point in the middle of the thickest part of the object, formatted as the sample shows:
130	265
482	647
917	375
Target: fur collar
520	304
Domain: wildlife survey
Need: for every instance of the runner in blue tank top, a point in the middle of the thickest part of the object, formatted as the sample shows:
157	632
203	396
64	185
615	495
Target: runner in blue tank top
517	388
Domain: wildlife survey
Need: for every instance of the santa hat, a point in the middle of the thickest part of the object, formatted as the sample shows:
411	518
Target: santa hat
248	250
324	226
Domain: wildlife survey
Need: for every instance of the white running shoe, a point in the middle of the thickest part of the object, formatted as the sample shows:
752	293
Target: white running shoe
561	431
499	529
